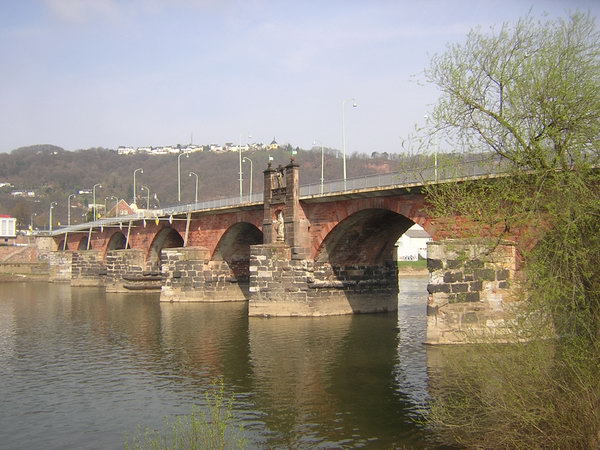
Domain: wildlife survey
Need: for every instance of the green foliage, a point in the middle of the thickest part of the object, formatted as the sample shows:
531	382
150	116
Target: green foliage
420	264
209	427
528	92
534	395
531	94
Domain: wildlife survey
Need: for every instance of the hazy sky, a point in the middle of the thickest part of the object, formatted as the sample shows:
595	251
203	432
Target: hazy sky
84	73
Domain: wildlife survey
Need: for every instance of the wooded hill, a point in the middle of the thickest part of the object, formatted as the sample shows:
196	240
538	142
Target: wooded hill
53	173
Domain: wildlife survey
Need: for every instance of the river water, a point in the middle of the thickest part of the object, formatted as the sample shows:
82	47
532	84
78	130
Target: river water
80	368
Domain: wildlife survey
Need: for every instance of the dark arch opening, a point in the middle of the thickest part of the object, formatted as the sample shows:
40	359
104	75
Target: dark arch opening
83	244
117	242
61	245
365	237
165	238
234	248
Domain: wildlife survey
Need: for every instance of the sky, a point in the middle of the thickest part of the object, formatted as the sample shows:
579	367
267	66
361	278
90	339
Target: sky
106	73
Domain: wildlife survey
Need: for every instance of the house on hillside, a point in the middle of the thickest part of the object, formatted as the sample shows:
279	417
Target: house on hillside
122	208
273	145
412	245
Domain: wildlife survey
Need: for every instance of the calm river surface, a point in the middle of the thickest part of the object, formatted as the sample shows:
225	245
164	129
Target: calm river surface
80	368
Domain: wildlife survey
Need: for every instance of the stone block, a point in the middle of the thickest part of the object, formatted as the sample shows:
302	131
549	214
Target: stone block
485	274
472	297
435	288
459	287
434	264
502	275
475	286
452	277
474	264
454	264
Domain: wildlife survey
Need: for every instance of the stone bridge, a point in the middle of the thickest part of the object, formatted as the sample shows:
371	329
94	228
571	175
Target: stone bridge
294	254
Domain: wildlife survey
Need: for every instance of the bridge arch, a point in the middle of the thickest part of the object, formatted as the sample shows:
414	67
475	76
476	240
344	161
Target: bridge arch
117	242
326	216
61	245
234	247
83	243
364	237
166	238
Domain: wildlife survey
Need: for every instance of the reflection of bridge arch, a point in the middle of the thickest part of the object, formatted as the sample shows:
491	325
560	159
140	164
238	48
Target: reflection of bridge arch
234	247
365	237
166	238
83	244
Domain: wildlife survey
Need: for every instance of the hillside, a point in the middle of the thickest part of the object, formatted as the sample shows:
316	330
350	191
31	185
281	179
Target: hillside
53	173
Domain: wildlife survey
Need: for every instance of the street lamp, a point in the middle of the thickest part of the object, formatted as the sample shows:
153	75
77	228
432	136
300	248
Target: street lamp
69	208
94	197
187	155
241	173
354	105
251	169
52	205
140	170
147	196
196	195
322	161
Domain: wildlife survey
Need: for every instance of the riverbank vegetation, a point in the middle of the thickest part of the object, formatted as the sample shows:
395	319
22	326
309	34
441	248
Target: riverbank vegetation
209	426
530	93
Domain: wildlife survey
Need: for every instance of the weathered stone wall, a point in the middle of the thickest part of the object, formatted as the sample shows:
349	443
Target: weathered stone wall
281	286
59	266
469	291
191	276
120	263
88	268
45	245
24	271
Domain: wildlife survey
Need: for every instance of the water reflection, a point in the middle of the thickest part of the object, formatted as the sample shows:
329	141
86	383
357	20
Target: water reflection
82	368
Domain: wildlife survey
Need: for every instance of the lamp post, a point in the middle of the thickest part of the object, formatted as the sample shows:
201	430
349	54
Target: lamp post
251	170
94	197
69	209
187	155
240	160
354	105
322	162
196	194
52	205
116	204
140	170
147	196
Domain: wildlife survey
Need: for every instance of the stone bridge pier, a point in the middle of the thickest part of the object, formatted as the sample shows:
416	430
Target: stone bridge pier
343	277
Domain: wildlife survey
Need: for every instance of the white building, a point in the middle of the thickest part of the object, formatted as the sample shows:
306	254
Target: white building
7	227
412	245
122	150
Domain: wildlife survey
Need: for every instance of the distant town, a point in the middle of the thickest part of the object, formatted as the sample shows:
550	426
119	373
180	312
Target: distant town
190	148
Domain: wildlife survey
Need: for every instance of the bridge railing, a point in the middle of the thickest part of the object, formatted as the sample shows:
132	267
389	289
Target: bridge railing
415	175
